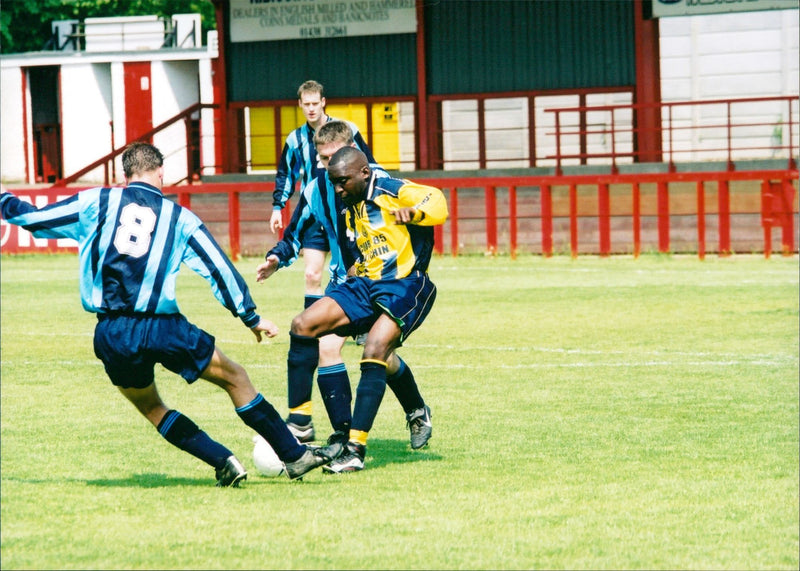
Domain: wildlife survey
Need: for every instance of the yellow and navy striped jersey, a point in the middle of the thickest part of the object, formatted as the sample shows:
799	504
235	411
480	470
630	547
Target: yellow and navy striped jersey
319	205
388	250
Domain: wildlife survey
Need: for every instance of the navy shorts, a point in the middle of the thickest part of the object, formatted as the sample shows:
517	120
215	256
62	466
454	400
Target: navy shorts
131	345
315	238
407	301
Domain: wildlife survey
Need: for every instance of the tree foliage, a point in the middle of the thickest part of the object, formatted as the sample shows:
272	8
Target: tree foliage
25	25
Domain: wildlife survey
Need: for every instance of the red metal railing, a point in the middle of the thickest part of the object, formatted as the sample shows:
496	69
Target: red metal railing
778	207
777	188
735	135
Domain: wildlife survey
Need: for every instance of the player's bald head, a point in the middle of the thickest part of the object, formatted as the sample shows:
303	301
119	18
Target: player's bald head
348	158
349	172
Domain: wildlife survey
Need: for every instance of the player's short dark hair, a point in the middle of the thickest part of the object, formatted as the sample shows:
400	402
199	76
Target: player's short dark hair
138	158
334	132
310	86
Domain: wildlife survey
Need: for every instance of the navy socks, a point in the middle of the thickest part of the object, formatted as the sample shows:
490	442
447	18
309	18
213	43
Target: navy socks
369	394
262	417
334	386
180	431
404	386
301	362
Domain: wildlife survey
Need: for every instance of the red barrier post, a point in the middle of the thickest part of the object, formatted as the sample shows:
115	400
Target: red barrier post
573	220
777	201
512	221
185	199
490	201
787	222
663	216
701	220
637	219
286	216
438	239
604	219
724	209
454	222
766	216
546	215
233	224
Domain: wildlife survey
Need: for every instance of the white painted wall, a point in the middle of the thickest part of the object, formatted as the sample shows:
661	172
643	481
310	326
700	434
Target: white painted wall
93	97
745	54
707	57
749	54
174	88
118	111
206	86
12	150
85	116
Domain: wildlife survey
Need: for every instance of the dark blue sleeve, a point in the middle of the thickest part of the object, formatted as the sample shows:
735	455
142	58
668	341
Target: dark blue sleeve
288	248
287	174
363	147
57	220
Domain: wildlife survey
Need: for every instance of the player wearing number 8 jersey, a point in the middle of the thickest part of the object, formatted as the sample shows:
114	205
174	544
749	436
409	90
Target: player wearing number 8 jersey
131	244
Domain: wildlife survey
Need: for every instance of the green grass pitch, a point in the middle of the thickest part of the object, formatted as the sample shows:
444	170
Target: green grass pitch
596	413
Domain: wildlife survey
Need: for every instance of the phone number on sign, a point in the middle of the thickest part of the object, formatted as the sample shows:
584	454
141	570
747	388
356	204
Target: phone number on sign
326	32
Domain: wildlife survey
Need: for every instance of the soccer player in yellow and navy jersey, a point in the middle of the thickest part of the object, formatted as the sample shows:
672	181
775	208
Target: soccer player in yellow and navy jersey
319	204
300	161
389	240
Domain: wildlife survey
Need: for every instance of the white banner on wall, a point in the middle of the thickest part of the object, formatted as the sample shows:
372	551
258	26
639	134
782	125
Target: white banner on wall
265	20
697	7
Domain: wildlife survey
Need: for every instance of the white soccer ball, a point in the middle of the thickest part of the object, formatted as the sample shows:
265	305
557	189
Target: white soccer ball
265	458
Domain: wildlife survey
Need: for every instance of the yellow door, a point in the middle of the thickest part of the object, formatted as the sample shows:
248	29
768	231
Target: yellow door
384	142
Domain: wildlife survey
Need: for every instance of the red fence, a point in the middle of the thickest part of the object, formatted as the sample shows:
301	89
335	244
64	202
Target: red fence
589	202
708	130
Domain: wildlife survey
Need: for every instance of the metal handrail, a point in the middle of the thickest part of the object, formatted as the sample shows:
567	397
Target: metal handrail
668	128
106	160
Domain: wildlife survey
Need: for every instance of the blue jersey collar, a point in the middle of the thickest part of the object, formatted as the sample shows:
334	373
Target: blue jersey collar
145	186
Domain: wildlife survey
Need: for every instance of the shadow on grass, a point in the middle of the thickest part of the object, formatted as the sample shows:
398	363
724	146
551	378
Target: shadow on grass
382	453
134	481
150	481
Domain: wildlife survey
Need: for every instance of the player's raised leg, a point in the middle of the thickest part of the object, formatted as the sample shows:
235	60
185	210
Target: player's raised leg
179	430
257	413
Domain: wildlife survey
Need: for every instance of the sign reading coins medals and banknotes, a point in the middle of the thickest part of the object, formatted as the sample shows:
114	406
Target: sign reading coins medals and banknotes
265	20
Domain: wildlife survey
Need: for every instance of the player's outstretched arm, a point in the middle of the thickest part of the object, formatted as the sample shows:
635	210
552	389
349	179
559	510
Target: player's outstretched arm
266	327
266	269
421	205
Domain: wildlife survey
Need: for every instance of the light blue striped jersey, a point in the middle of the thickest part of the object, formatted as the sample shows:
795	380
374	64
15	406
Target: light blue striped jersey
131	242
299	161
